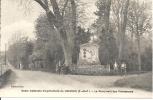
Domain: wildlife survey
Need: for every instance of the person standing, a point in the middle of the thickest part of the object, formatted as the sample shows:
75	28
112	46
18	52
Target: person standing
123	68
115	66
58	67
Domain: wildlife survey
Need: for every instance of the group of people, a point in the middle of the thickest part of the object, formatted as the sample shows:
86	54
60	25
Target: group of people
120	67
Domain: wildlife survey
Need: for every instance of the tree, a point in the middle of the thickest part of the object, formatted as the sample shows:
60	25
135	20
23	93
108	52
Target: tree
139	23
107	40
56	19
146	57
108	49
74	15
120	10
104	13
19	52
47	45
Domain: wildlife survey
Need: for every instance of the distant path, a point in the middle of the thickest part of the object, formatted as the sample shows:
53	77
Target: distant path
37	80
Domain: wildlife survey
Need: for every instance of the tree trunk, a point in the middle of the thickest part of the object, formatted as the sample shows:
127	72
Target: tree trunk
64	41
67	48
67	54
123	30
107	15
56	19
139	52
75	53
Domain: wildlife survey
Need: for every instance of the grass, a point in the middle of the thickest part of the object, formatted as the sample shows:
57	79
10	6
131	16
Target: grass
140	81
4	78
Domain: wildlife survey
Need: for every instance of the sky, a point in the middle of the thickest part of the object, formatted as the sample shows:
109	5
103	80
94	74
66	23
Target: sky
15	18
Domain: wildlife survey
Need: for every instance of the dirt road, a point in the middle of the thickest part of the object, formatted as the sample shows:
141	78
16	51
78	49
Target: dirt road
42	84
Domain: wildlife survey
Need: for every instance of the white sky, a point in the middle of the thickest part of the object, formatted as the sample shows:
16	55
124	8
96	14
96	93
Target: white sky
16	19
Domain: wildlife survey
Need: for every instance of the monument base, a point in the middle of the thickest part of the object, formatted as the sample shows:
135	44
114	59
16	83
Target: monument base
91	69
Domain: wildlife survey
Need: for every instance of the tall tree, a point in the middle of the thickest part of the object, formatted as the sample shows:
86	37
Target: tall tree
104	13
139	23
120	10
107	43
47	46
75	49
56	19
19	52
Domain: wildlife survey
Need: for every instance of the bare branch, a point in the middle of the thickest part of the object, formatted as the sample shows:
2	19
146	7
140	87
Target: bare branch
65	5
41	4
50	15
46	3
55	8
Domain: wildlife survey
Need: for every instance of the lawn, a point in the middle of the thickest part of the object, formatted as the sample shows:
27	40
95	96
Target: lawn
140	81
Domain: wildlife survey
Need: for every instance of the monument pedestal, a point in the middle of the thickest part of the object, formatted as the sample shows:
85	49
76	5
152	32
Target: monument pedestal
89	54
89	63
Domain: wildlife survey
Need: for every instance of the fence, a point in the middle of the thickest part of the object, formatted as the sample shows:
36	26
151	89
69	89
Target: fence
91	69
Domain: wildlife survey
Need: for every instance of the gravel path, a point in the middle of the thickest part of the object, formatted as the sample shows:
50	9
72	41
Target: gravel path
42	84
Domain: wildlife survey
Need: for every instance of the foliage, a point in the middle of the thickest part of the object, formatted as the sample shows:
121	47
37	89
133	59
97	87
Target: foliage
138	24
19	52
147	59
108	47
83	36
120	26
47	46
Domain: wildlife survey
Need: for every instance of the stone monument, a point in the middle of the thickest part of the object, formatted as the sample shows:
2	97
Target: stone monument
89	54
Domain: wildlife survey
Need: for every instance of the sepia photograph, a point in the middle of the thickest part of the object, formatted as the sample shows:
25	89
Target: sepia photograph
76	48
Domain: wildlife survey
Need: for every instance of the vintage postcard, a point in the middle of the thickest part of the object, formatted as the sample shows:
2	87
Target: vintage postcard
76	48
